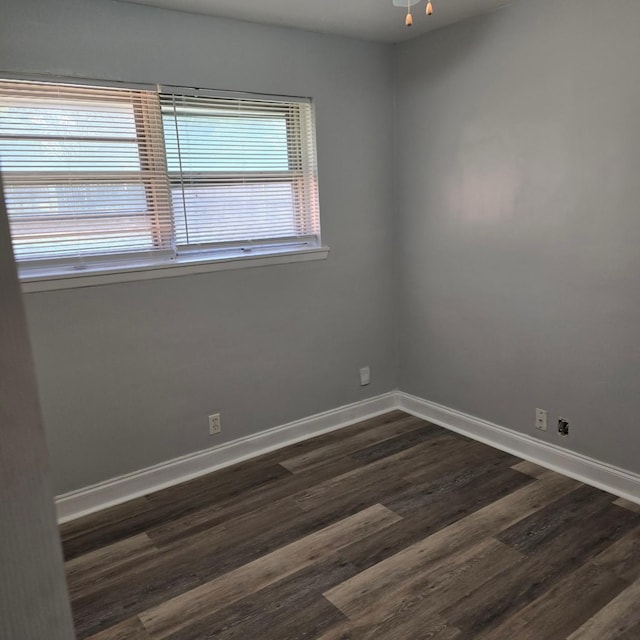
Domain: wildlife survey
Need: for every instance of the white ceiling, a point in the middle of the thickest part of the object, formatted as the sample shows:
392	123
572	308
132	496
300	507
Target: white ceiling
367	19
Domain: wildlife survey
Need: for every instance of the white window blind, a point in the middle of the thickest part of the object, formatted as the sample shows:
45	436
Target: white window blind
99	175
84	173
242	171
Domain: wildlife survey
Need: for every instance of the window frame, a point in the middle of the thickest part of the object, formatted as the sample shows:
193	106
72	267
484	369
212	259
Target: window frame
301	241
186	259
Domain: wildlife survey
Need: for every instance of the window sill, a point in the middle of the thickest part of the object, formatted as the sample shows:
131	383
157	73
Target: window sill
184	267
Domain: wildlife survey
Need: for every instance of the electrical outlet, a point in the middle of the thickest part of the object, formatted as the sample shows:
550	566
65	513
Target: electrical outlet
214	424
365	376
541	419
563	427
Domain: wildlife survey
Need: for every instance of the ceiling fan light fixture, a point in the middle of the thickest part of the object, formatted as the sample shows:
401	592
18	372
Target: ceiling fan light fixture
410	3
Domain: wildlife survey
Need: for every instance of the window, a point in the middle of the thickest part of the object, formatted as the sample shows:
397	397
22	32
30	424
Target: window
101	178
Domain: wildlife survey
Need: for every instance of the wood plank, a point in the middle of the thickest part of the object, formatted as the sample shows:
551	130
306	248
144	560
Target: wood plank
415	624
439	513
355	443
126	520
131	629
173	614
214	487
627	504
561	609
489	605
139	585
423	587
460	454
618	617
353	492
632	634
291	608
530	469
623	557
397	444
548	523
446	542
376	473
178	528
479	483
105	527
89	571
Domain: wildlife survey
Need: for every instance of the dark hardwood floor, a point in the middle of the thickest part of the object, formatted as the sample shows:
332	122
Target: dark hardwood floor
390	529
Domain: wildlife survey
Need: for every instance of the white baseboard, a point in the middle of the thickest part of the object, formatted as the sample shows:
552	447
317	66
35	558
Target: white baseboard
588	470
118	490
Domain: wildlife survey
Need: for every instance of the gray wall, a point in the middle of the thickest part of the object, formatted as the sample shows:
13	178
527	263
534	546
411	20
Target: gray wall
519	261
31	576
127	373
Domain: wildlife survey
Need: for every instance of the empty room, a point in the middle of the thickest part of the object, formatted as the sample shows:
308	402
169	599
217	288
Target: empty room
319	320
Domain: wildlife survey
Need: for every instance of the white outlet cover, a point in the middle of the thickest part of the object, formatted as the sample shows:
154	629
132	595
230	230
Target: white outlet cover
214	423
541	419
365	376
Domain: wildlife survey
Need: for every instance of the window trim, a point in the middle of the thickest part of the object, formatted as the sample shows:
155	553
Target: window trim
179	267
191	260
